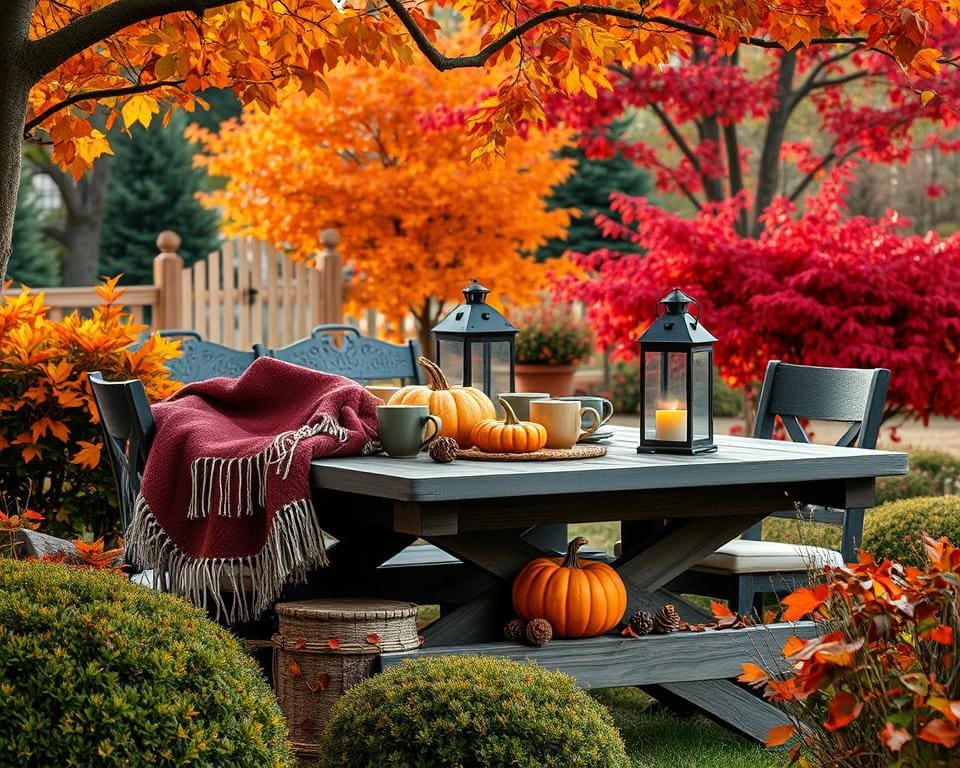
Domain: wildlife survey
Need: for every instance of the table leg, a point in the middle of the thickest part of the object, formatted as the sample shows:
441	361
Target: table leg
645	567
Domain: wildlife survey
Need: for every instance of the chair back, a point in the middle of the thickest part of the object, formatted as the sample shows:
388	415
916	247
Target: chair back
201	359
127	425
852	395
796	392
357	357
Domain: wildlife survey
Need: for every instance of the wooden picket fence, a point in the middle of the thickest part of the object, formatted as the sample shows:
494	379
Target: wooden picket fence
244	293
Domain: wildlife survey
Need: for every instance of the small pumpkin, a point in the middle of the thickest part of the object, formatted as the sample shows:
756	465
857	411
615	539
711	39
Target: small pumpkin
580	598
459	408
510	435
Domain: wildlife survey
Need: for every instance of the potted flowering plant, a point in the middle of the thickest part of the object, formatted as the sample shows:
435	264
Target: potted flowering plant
551	344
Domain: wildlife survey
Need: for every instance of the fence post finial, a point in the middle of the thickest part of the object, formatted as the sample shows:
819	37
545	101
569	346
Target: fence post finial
168	241
330	239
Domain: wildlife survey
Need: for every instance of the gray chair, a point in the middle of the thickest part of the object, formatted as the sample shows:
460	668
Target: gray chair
201	359
357	357
127	425
746	568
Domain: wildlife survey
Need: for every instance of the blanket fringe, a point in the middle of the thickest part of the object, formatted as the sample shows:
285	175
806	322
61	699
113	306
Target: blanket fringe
238	486
238	589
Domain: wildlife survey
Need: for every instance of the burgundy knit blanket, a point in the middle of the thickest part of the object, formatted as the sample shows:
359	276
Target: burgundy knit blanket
224	513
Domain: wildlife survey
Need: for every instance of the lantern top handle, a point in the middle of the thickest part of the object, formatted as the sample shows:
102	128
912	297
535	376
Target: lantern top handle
676	303
474	293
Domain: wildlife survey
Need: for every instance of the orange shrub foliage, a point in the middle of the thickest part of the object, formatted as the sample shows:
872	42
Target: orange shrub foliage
50	440
880	683
384	161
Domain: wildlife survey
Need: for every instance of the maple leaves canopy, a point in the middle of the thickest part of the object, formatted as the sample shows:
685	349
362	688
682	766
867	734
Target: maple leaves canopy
382	160
90	52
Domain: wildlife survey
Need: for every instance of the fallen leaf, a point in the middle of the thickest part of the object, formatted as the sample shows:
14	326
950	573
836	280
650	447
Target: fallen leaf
333	644
844	709
323	681
294	669
298	646
893	738
940	732
780	734
373	638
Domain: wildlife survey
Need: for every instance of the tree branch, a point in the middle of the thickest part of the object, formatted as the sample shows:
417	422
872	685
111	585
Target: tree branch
58	234
51	51
444	62
68	190
804	90
102	93
676	136
828	159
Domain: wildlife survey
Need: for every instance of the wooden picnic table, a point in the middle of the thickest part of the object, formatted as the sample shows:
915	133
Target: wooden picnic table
674	510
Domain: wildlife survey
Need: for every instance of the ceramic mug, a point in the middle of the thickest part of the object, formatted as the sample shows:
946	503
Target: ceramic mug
562	420
403	429
600	404
520	402
384	393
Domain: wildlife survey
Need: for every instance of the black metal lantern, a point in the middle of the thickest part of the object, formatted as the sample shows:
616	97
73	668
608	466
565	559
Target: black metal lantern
476	343
676	377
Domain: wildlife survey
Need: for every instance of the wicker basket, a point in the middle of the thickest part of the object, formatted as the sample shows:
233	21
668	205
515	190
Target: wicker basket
323	648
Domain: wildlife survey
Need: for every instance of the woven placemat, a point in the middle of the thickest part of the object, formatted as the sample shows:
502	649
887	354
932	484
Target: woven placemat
544	454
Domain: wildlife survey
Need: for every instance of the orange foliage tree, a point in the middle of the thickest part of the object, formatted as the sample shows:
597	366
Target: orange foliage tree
382	160
63	61
50	442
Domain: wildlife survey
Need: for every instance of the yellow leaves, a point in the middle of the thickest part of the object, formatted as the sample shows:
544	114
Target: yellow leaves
926	63
88	457
927	96
139	109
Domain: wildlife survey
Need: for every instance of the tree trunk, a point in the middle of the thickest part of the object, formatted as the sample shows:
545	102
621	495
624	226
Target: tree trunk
768	174
84	203
14	89
82	240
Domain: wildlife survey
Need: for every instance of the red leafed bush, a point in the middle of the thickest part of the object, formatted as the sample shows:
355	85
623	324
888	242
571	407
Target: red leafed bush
880	683
821	288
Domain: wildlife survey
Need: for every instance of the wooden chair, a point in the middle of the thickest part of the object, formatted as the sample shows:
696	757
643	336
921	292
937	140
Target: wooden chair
201	359
357	357
746	568
127	425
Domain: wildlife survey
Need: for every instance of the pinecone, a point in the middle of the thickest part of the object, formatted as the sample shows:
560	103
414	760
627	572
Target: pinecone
667	620
539	632
515	631
642	623
444	450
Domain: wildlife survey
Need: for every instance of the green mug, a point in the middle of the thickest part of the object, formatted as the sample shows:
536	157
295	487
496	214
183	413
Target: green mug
403	429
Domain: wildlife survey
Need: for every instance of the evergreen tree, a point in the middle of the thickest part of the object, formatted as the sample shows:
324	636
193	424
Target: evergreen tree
152	188
34	259
588	189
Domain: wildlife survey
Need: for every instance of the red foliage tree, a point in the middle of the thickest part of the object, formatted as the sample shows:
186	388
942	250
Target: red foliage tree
807	110
817	288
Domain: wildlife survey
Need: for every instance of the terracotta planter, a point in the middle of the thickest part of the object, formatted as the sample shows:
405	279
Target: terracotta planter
555	379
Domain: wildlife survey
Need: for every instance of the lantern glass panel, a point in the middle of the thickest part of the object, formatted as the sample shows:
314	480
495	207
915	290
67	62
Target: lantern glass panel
491	367
450	359
700	368
665	396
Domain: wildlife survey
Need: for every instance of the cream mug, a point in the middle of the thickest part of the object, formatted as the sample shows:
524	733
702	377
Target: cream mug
562	420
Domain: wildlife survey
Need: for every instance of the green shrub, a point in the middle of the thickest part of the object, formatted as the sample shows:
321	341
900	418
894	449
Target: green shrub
893	529
95	671
477	712
928	472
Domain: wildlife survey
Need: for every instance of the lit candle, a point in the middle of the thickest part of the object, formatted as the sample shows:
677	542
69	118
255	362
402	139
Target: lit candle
672	424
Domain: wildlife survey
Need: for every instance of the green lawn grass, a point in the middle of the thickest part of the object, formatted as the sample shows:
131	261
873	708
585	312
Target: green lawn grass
657	738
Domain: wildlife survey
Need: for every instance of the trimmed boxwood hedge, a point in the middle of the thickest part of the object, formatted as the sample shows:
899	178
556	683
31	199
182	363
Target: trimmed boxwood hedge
96	671
894	529
929	471
480	712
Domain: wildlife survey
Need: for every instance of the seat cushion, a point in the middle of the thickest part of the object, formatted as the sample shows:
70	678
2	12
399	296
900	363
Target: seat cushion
746	556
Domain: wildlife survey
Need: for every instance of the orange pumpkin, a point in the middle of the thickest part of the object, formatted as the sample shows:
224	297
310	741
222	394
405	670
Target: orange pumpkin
579	598
510	435
459	408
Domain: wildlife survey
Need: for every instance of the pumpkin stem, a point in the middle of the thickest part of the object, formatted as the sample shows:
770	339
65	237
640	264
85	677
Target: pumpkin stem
436	379
511	417
571	561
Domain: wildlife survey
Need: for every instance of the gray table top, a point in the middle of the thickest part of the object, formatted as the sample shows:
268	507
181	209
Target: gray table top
737	461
